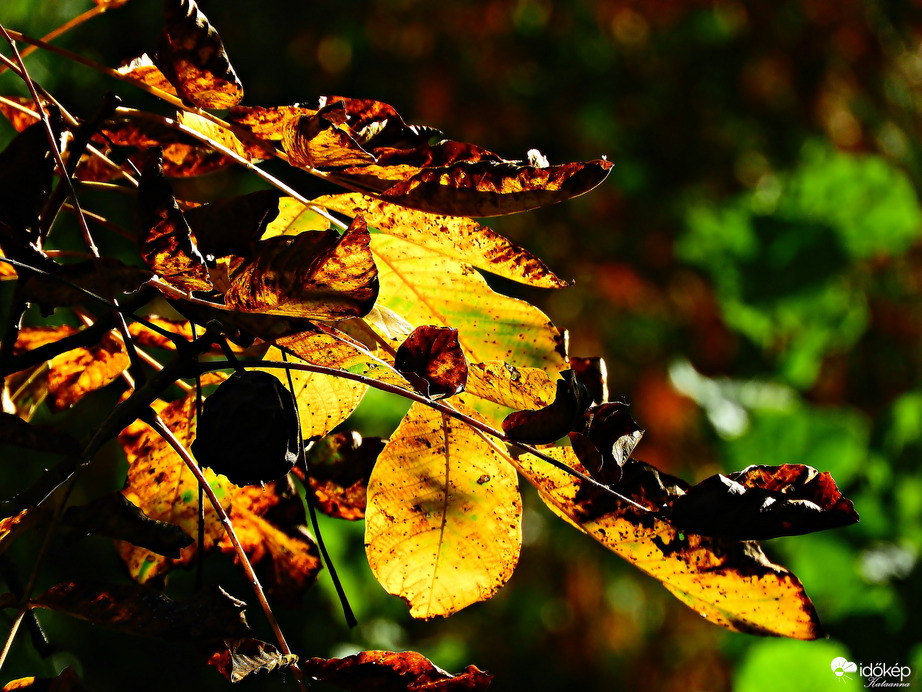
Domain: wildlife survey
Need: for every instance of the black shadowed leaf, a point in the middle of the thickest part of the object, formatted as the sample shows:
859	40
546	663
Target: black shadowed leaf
191	55
432	361
237	659
15	431
114	516
164	236
137	610
248	429
606	440
560	417
386	671
67	681
763	502
232	226
340	465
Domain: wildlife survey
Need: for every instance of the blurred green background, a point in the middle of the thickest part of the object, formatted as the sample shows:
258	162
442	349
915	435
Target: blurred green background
751	272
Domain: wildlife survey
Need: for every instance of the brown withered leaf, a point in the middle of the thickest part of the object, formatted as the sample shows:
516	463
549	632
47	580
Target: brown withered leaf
114	516
142	69
555	420
387	671
103	277
191	55
137	610
164	235
457	237
237	659
15	431
67	681
731	583
489	188
267	123
340	465
78	372
232	226
319	275
323	141
432	361
147	338
183	155
763	502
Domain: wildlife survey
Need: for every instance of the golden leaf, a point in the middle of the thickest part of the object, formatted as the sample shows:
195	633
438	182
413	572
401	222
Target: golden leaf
443	521
78	372
142	69
457	237
730	583
427	288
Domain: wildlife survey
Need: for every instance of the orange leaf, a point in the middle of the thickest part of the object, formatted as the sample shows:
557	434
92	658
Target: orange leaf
730	583
191	55
80	371
237	659
386	671
340	465
165	238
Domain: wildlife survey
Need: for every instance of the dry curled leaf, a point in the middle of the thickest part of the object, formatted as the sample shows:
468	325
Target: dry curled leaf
164	235
554	420
237	659
386	671
432	361
763	502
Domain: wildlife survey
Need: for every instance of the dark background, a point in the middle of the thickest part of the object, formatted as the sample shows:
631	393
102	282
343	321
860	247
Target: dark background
751	272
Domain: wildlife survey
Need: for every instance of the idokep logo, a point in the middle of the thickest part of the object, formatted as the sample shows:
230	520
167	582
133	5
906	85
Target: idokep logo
874	674
842	667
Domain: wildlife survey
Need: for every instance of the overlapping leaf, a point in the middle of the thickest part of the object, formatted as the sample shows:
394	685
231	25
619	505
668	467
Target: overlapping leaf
457	237
269	522
386	671
763	502
134	609
432	361
20	433
442	526
319	275
366	145
76	373
731	583
164	235
553	421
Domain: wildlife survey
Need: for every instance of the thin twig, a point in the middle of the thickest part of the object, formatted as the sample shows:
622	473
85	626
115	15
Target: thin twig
438	406
161	428
312	510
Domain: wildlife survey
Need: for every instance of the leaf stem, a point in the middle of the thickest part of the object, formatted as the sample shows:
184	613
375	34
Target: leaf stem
161	428
438	406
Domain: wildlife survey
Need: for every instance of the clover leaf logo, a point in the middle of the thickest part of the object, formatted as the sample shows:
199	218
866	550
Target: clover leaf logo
841	666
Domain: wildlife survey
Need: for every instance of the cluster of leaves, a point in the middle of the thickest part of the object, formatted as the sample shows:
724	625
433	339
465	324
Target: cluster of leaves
376	285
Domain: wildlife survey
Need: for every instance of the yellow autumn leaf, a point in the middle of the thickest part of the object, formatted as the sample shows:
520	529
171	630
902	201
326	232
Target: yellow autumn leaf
510	386
427	288
457	237
731	583
160	484
324	401
443	521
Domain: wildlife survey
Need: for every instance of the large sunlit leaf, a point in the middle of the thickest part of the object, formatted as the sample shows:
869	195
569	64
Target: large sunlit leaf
443	522
427	288
457	237
731	583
